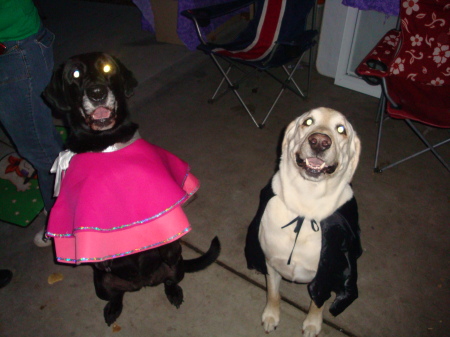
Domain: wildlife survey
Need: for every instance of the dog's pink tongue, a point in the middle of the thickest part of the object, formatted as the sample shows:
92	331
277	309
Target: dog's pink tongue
101	113
315	161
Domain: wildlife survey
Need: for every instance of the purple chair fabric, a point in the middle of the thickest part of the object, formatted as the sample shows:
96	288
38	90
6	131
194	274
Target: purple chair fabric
185	28
389	7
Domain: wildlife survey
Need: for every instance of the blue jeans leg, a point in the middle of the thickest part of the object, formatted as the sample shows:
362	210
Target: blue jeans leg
25	71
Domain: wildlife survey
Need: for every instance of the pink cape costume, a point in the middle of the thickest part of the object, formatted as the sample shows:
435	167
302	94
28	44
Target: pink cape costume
113	204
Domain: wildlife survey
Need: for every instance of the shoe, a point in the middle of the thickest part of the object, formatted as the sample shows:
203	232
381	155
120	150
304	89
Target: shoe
5	277
41	240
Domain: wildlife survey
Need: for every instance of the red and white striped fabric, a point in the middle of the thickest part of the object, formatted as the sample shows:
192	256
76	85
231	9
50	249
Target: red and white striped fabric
266	34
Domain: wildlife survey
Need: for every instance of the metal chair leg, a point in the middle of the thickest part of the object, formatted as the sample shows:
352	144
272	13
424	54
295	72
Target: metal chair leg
381	108
430	147
427	143
230	83
271	108
376	169
211	100
287	83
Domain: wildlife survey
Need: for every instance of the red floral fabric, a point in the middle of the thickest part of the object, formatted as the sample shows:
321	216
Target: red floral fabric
417	60
425	52
384	52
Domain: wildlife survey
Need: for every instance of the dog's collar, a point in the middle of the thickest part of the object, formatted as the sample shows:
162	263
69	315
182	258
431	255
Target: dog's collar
299	220
62	162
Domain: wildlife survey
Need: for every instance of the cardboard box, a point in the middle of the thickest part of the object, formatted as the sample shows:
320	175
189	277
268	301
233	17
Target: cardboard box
165	13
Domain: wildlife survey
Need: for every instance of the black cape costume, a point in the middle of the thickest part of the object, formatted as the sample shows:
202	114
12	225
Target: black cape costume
341	247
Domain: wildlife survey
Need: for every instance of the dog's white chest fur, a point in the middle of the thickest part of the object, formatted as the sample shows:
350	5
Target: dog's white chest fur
277	243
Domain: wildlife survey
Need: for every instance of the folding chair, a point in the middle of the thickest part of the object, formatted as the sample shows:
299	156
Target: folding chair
412	65
273	38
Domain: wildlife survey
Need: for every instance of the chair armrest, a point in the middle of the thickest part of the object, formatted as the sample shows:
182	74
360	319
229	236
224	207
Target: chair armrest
203	15
376	64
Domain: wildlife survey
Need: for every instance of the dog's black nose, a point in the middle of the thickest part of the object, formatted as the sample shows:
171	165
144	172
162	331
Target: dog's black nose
319	142
97	92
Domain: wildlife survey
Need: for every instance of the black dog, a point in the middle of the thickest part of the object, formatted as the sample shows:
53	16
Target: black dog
91	89
85	83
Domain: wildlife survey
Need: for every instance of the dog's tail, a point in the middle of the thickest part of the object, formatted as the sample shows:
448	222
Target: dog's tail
200	263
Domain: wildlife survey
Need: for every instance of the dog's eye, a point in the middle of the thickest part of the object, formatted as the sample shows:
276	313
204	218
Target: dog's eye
106	68
308	122
76	73
341	129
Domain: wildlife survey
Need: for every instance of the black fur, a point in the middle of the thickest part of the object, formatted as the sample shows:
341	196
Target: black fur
165	264
65	92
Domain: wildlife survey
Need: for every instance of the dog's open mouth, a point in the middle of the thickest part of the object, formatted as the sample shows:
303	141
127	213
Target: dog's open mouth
101	113
314	166
102	118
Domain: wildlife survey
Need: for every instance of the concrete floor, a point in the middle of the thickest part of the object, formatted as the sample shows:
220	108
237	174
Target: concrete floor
403	272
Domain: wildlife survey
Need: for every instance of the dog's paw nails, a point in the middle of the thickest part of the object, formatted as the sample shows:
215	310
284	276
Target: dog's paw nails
269	324
178	305
270	318
310	331
268	332
110	320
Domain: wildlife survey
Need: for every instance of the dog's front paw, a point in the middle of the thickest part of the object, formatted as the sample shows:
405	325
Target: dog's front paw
112	311
270	319
312	325
310	331
174	294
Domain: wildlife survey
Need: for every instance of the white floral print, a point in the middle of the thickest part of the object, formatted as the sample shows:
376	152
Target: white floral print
398	66
411	6
441	54
419	53
416	40
437	82
391	40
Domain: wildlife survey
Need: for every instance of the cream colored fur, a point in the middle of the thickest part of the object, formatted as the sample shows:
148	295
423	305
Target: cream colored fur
314	197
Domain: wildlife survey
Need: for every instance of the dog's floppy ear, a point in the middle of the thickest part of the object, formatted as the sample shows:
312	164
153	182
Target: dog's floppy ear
54	92
290	130
129	81
355	151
